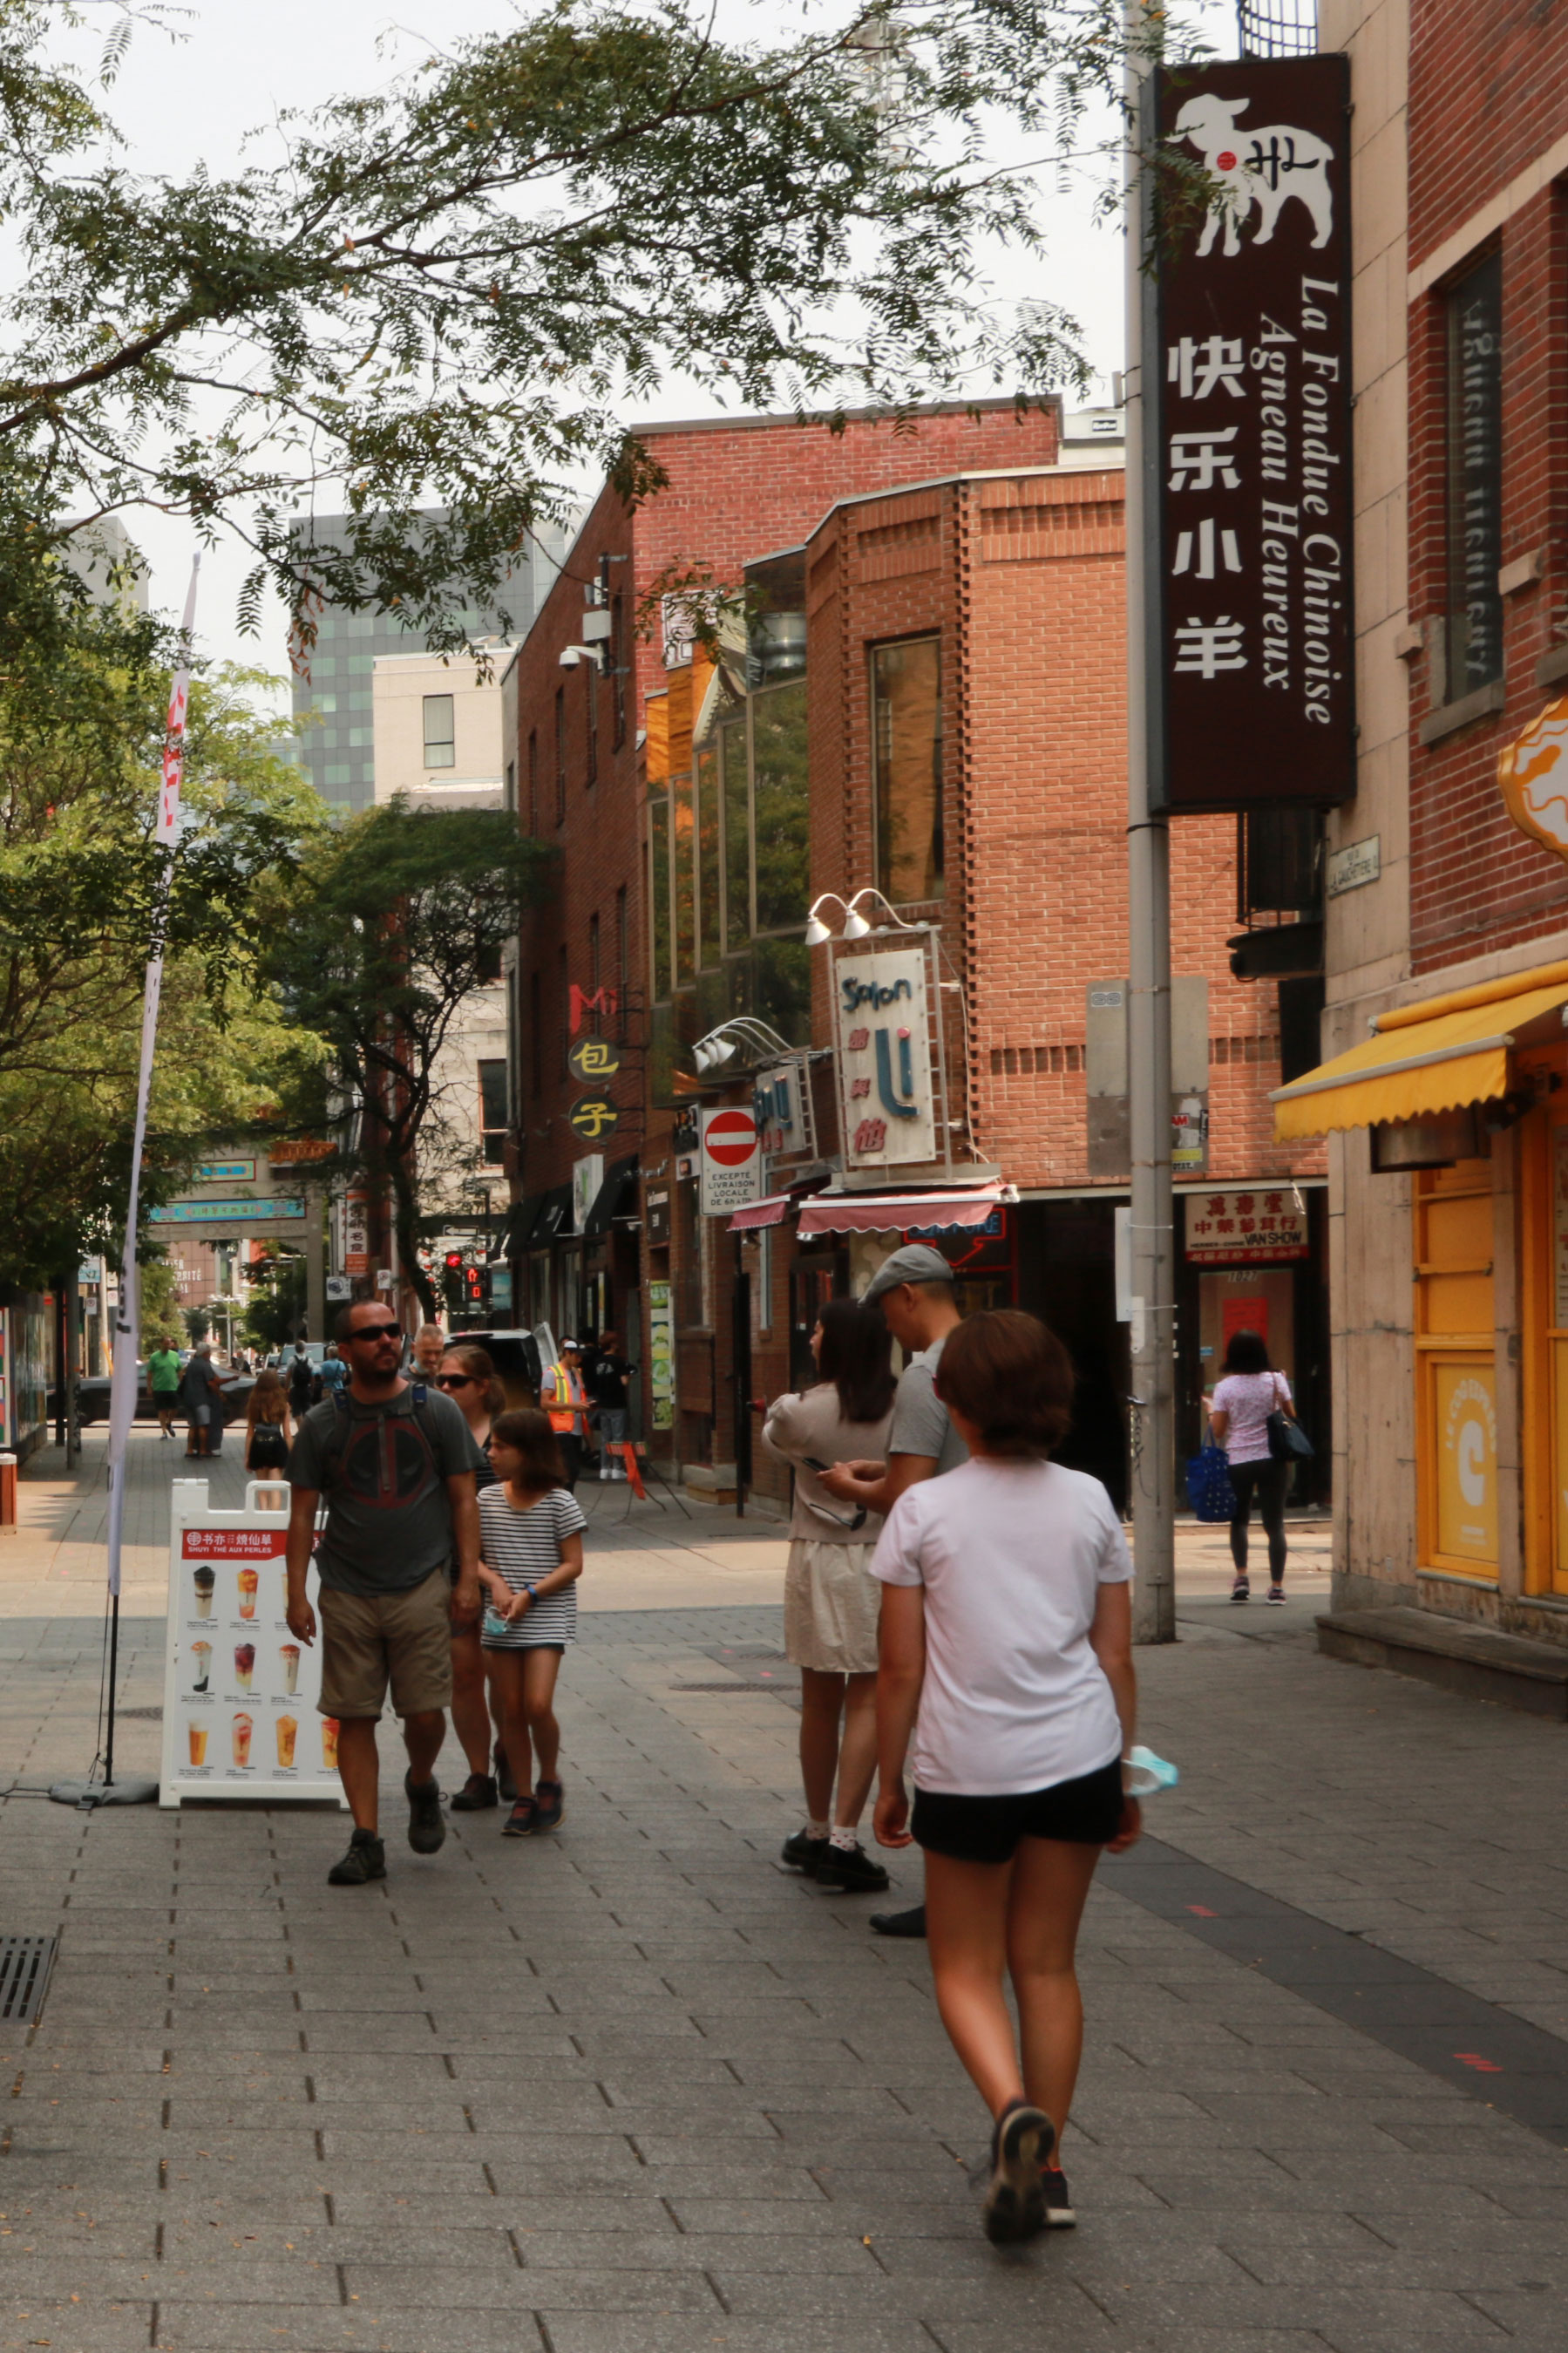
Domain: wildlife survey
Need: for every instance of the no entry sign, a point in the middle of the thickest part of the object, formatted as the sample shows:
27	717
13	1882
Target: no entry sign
731	1159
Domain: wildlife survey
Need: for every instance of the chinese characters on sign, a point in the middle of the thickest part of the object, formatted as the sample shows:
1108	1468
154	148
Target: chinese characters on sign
594	1061
1261	1228
1249	454
593	1117
888	1117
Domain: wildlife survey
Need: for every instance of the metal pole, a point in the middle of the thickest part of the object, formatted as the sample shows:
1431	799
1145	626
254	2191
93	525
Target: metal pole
1153	1464
740	1351
114	1688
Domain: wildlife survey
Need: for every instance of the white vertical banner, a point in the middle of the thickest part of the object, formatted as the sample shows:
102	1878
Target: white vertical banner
128	1320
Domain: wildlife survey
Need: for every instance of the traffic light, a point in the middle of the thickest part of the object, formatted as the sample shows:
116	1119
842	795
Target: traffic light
452	1280
474	1286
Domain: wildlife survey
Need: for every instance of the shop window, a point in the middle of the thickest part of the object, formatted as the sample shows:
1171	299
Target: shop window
682	850
659	900
440	732
780	809
1475	478
906	769
494	1110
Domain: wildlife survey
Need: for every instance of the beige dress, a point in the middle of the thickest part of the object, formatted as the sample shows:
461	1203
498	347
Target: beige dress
831	1599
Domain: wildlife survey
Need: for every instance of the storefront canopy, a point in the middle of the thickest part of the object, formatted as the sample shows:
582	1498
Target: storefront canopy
522	1222
757	1214
1425	1059
877	1213
616	1197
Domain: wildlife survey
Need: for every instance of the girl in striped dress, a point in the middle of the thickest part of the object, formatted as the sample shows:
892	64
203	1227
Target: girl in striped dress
531	1533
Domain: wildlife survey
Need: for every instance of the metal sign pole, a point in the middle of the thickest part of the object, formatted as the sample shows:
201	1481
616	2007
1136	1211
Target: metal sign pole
1152	1327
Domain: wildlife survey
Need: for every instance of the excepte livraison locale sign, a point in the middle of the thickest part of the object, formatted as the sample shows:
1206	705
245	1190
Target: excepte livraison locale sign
1247	454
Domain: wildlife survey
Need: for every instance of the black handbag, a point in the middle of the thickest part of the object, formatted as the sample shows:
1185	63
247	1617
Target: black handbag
1288	1441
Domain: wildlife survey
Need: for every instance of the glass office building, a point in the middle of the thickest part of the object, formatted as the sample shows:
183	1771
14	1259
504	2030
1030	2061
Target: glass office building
332	704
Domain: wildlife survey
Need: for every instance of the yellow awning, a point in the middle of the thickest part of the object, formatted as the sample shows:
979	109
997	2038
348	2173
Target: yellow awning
1441	1056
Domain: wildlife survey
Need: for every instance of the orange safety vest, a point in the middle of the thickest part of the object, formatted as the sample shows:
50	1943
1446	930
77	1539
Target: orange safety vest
566	1414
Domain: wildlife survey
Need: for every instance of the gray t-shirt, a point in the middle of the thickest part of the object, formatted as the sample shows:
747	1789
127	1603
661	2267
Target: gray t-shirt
921	1421
389	1522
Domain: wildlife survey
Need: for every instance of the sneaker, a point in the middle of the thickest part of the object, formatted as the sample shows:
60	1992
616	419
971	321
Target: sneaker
522	1820
850	1870
505	1785
365	1860
1277	1593
476	1795
1241	1590
900	1924
551	1801
1059	2215
1025	2138
801	1851
426	1823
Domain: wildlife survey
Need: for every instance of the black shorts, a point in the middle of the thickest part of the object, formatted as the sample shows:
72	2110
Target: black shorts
1084	1812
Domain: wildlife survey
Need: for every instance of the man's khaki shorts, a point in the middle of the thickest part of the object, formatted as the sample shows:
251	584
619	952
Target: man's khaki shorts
368	1640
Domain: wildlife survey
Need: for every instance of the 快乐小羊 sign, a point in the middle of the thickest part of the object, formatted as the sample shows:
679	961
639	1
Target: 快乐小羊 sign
887	1114
1264	1226
1248	451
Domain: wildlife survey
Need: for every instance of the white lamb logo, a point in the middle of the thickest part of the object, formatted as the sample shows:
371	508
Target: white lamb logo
1274	166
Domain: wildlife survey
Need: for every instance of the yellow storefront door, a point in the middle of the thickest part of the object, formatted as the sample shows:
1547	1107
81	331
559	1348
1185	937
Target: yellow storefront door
1456	1371
1545	1317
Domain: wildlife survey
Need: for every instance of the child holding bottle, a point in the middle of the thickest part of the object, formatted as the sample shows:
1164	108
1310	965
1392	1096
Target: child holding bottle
531	1539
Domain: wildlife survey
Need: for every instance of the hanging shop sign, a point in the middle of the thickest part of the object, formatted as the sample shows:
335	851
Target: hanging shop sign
888	1116
1532	773
730	1158
223	1172
784	1110
356	1233
1261	1228
594	1117
592	1061
661	1355
276	1210
581	1002
656	1213
1247	462
240	1717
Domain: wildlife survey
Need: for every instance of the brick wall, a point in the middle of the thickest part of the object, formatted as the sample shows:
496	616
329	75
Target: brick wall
1488	92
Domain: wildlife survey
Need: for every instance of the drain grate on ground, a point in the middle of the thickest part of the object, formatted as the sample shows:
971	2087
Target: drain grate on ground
25	1966
751	1669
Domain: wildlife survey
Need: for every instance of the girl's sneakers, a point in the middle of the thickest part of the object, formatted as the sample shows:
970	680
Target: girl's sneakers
522	1820
1241	1590
1021	2148
550	1803
1059	2214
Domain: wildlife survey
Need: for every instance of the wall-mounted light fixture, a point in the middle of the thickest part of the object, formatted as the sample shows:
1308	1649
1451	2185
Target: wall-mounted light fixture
854	925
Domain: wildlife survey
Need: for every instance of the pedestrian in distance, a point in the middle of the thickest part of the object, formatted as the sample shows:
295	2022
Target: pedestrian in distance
564	1399
269	1427
468	1377
532	1530
300	1376
399	1568
201	1394
331	1373
428	1347
605	1377
913	1287
163	1384
1006	1654
831	1599
1248	1391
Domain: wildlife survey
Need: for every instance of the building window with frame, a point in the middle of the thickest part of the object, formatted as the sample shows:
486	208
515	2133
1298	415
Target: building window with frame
621	967
906	770
492	1112
536	1032
1474	307
533	780
440	732
560	756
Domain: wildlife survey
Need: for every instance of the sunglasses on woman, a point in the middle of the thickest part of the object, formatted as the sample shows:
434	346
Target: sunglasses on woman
452	1380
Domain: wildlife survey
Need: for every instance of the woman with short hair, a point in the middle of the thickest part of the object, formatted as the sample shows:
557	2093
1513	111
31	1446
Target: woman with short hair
831	1599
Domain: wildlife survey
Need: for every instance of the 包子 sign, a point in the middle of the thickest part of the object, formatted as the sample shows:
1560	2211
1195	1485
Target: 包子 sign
1248	447
731	1159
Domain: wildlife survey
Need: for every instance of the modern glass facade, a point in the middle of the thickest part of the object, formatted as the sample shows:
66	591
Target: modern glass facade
332	704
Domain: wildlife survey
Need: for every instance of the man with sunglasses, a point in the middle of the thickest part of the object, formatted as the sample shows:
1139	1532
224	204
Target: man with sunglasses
397	1466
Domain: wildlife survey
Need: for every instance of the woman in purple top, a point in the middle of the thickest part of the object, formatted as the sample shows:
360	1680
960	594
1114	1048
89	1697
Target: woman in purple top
1248	1391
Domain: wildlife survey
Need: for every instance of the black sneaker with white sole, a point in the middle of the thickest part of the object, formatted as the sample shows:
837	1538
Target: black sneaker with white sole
801	1851
1021	2149
850	1870
1059	2214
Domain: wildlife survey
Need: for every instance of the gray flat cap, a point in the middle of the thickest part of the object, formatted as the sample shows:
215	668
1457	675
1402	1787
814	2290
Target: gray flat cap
915	1263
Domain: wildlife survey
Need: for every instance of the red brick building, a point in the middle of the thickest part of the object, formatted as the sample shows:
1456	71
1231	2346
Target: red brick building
1450	937
929	701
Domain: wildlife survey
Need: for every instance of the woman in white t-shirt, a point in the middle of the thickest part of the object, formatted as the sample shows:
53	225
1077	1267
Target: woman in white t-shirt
1006	1654
1246	1392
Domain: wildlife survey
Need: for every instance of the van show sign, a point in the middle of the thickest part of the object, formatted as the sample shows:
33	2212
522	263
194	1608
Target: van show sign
1248	447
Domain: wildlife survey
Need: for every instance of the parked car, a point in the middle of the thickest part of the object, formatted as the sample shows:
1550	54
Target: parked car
515	1356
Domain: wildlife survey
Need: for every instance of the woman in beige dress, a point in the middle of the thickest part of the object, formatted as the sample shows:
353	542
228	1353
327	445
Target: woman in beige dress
831	1599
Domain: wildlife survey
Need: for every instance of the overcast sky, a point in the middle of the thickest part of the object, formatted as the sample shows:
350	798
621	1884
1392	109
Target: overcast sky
238	66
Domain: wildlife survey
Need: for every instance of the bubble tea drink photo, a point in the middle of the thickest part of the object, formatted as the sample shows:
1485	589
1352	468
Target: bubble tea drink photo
242	1740
198	1740
201	1662
244	1659
204	1580
330	1743
290	1655
287	1725
249	1579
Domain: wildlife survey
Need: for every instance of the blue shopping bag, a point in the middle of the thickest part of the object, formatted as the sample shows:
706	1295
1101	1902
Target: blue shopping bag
1209	1490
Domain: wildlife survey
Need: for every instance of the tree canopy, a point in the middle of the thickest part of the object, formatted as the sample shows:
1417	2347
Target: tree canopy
428	307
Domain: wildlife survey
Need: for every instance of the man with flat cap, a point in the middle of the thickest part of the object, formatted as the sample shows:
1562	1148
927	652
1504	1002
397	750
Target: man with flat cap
914	1287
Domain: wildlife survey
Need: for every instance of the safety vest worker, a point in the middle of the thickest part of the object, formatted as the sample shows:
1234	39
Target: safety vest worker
565	1400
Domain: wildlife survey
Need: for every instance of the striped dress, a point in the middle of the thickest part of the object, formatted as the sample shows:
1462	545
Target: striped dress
523	1546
